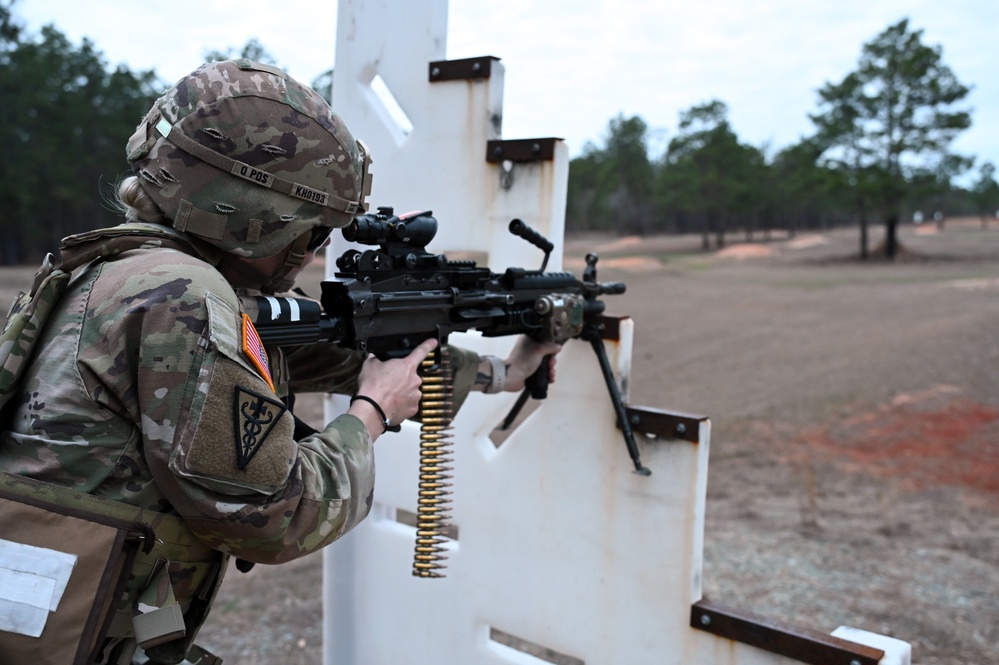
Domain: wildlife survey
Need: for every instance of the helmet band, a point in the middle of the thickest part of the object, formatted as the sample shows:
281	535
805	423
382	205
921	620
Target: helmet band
263	178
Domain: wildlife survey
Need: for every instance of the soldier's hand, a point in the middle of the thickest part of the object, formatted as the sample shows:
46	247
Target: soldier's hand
394	385
526	357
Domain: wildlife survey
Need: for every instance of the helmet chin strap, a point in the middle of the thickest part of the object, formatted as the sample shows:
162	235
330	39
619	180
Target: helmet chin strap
242	273
252	274
294	258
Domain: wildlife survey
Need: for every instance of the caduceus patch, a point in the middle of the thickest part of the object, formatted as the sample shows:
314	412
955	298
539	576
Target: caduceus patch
254	417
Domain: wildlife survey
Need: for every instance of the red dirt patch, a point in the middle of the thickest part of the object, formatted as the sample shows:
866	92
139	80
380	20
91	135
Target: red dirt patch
923	441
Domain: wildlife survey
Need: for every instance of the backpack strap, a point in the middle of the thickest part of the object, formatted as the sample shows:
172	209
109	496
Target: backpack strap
149	524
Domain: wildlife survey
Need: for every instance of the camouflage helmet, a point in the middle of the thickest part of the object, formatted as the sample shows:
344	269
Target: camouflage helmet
249	160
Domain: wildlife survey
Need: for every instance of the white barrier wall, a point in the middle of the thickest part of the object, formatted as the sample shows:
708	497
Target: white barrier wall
563	554
440	163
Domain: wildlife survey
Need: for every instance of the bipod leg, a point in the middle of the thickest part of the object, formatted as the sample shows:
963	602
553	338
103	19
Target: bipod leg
615	395
515	410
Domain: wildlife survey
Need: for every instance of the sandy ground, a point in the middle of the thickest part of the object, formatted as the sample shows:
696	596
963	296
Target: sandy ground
855	451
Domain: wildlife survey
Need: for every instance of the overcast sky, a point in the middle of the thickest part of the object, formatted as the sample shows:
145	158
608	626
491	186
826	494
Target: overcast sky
572	65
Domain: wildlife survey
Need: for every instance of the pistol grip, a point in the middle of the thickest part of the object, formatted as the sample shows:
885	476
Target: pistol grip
537	383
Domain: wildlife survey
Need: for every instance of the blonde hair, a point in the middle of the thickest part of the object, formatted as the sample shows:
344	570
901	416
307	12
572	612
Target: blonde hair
136	205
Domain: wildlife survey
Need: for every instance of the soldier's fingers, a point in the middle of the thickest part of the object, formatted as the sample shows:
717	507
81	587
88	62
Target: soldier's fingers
417	355
551	348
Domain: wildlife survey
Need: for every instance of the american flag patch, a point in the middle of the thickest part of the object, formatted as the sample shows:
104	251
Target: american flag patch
255	351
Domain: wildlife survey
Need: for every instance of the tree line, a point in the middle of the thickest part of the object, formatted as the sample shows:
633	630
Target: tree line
64	120
881	150
63	123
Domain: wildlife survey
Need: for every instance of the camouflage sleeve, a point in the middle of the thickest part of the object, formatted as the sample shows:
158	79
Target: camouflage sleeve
465	364
218	442
324	368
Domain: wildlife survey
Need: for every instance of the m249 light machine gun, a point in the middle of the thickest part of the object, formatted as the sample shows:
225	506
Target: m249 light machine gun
387	299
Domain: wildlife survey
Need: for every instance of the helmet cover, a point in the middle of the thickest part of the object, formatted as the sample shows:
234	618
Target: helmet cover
248	159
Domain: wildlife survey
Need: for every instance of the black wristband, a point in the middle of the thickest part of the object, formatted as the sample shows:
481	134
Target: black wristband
389	427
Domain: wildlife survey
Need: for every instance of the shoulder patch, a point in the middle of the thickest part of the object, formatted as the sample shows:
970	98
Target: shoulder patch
254	416
254	349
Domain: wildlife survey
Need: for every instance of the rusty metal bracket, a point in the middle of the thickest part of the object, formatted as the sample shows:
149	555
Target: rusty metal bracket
521	150
610	326
462	70
800	644
665	424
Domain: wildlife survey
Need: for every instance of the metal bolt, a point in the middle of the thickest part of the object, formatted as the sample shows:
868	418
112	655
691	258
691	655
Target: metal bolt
681	428
477	67
854	662
498	151
635	419
706	621
536	148
435	72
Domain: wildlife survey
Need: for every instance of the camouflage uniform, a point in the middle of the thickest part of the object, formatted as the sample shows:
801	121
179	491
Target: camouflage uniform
148	386
142	392
136	393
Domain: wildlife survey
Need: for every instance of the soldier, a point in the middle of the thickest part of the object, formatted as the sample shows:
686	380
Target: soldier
149	372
